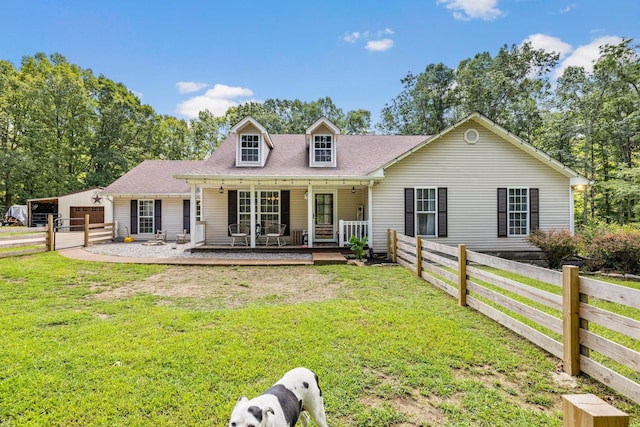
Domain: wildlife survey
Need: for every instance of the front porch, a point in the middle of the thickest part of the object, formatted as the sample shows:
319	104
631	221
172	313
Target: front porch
312	216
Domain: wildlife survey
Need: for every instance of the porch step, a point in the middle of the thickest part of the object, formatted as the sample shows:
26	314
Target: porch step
327	258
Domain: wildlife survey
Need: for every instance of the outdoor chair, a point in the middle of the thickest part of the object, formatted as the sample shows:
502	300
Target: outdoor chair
239	231
161	236
182	237
276	231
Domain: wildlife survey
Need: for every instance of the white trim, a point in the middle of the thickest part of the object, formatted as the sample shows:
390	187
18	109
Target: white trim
240	147
435	211
334	193
528	212
312	147
321	121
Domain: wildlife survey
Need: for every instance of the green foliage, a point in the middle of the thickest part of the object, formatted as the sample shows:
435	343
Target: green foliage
70	356
556	245
63	129
357	246
615	250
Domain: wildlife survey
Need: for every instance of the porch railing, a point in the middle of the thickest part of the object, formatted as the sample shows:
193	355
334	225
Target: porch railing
346	229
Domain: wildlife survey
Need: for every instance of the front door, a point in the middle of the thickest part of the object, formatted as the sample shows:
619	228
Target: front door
324	218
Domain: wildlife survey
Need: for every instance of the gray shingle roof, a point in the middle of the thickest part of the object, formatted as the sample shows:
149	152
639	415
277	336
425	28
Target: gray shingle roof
357	156
154	177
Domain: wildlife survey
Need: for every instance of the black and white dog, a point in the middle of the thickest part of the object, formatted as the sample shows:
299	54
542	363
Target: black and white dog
295	394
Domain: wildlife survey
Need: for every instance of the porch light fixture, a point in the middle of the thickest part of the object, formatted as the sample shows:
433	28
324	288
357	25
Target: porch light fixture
353	190
306	195
221	190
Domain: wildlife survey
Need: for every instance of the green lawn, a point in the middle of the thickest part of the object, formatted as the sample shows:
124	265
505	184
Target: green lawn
390	350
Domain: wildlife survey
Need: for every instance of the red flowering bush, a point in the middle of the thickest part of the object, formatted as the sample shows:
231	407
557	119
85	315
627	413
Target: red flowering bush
556	245
618	250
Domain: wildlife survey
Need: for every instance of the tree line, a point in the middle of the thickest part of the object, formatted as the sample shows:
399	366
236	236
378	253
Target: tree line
589	120
63	129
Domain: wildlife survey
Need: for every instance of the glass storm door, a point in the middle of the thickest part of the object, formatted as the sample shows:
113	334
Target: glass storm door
324	221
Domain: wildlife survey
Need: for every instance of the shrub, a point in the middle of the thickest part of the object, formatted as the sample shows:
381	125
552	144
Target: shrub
556	245
615	250
357	246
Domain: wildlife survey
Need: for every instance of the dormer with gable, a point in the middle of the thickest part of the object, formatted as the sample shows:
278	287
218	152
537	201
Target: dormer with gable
253	143
322	139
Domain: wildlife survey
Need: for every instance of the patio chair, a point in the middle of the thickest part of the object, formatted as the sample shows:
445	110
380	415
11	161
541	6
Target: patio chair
276	231
161	236
182	237
240	231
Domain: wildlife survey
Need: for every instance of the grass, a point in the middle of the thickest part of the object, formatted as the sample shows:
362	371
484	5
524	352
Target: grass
390	350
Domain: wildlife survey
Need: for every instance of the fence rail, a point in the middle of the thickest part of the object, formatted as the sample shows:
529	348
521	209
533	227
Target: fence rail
16	241
576	319
22	240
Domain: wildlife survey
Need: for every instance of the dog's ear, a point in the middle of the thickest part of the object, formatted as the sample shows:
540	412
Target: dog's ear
266	411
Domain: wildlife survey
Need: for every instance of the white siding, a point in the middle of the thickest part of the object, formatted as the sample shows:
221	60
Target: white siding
214	213
171	217
472	174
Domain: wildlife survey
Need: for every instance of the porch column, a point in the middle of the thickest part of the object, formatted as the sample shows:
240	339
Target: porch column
572	212
252	194
310	216
370	214
192	217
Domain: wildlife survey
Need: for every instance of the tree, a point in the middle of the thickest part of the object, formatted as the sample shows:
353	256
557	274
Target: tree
425	106
508	89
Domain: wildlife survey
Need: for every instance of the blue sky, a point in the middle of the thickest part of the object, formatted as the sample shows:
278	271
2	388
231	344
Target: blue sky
184	56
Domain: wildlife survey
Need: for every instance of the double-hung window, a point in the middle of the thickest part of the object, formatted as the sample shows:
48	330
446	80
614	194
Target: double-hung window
426	211
267	208
250	148
518	211
323	148
145	216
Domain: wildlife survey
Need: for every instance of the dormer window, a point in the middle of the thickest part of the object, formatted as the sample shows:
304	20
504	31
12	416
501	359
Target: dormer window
254	143
323	149
322	140
249	148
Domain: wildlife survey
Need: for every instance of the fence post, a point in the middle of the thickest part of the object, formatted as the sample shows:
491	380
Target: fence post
388	243
86	230
395	246
419	256
462	275
50	235
588	410
571	319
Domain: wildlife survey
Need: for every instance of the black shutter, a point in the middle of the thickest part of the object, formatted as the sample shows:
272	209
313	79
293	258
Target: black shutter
534	209
502	212
442	212
157	214
134	217
232	207
186	215
409	206
285	197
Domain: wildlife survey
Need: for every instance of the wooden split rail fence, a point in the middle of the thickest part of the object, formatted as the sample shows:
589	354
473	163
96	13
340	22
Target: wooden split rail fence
572	317
16	241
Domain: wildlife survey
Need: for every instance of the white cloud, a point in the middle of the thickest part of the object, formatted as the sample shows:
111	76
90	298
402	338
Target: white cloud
568	8
549	44
585	56
352	37
466	10
379	45
190	87
217	100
